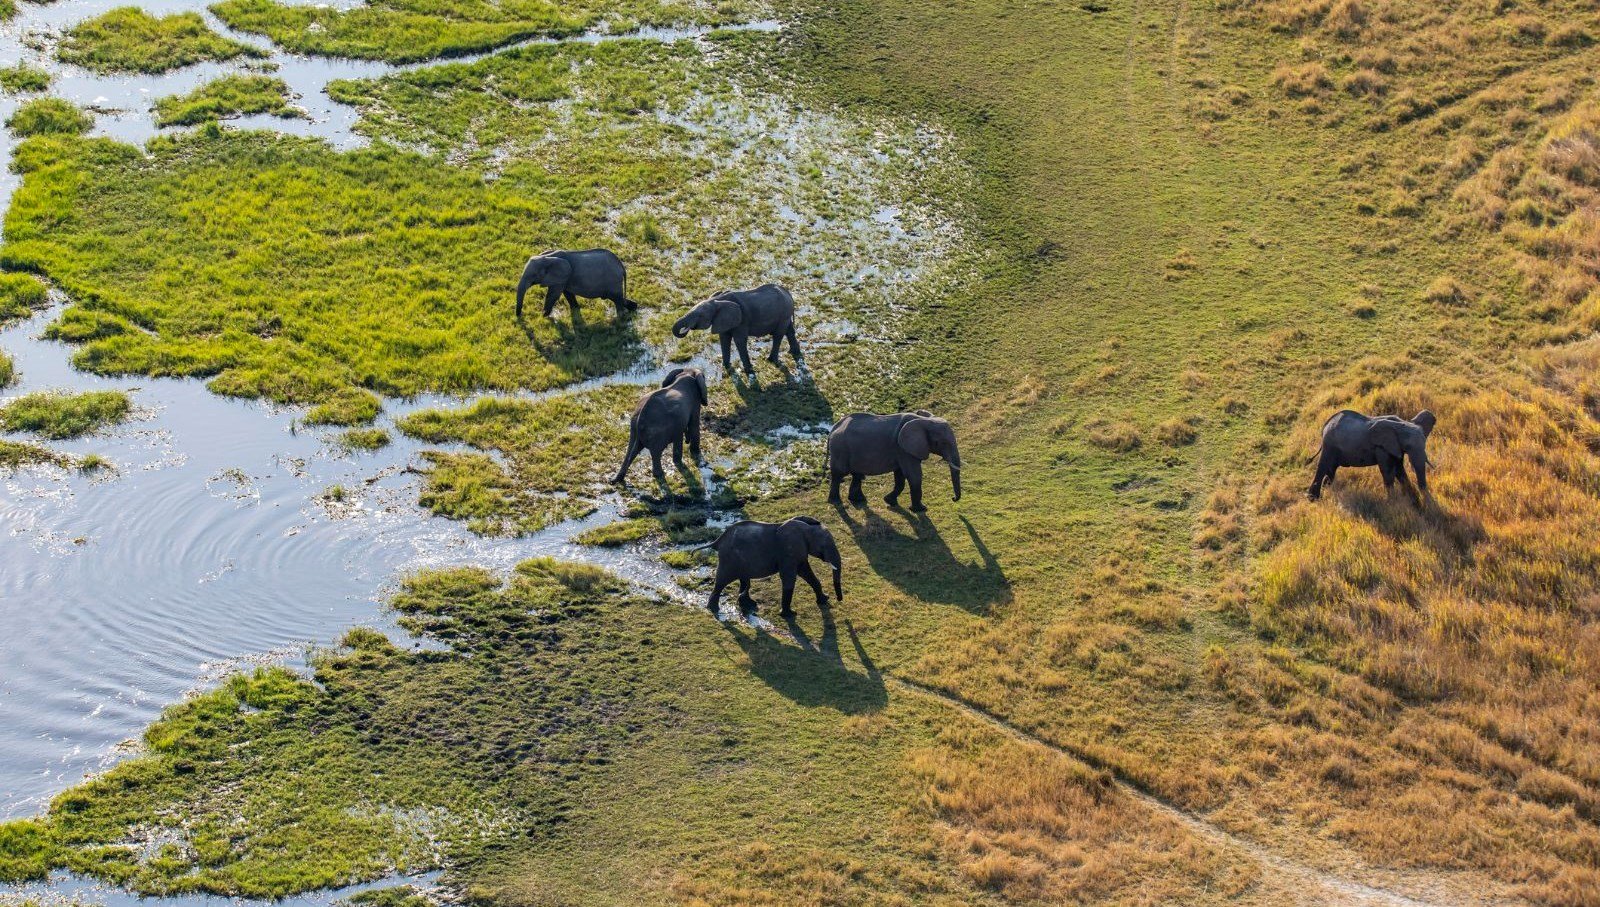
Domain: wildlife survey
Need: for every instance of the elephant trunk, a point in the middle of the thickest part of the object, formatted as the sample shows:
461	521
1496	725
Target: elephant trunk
522	289
679	328
838	584
955	481
1419	465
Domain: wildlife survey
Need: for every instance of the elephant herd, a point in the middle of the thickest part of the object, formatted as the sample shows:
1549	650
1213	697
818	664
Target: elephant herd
860	444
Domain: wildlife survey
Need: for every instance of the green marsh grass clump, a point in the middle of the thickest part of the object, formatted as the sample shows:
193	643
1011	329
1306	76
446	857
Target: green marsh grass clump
364	439
49	116
23	78
621	532
347	406
128	39
20	296
14	454
408	31
8	370
62	415
229	96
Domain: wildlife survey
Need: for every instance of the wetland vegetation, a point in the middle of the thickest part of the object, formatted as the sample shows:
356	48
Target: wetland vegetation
1185	234
128	39
229	96
57	416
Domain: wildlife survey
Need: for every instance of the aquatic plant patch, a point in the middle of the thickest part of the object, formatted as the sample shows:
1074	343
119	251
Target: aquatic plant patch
23	78
128	39
229	96
49	116
407	31
64	415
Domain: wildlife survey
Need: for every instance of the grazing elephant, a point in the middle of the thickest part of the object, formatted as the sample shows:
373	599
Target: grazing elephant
665	417
1351	439
750	550
737	315
592	274
864	444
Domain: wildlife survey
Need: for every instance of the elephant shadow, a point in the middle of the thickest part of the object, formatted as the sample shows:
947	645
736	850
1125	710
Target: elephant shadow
1405	520
585	347
763	407
805	672
920	562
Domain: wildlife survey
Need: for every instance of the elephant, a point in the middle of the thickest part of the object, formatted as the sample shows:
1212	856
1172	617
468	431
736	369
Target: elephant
1352	439
737	315
750	550
865	444
667	416
591	273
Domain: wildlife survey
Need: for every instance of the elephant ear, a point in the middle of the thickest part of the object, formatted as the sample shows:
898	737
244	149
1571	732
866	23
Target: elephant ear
1425	420
1385	436
671	377
559	271
705	392
924	413
793	539
728	316
913	438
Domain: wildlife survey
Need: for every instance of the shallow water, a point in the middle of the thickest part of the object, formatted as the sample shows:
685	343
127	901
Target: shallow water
207	548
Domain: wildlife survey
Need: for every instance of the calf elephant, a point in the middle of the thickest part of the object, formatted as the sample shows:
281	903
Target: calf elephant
591	273
667	416
737	315
1352	439
864	444
750	550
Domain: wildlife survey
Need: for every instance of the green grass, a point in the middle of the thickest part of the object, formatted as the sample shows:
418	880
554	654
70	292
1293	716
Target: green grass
8	370
405	31
364	439
64	415
614	534
14	454
49	116
347	406
127	39
20	296
229	96
23	78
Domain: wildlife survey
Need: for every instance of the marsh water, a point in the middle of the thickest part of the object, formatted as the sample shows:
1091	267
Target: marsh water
212	543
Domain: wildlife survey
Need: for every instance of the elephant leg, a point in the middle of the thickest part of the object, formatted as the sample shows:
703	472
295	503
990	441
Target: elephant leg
786	577
810	576
714	605
727	352
794	344
856	496
655	466
572	301
742	341
1386	469
777	344
550	297
677	455
627	460
693	434
893	497
746	603
1405	480
834	478
624	304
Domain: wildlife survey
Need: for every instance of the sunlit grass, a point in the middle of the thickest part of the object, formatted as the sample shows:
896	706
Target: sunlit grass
127	39
63	415
228	96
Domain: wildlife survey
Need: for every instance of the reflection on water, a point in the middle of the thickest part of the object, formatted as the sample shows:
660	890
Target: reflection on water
207	549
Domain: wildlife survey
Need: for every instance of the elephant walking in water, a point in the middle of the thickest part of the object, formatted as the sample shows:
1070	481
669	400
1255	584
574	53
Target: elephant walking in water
750	550
591	273
865	444
737	315
664	417
1352	439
